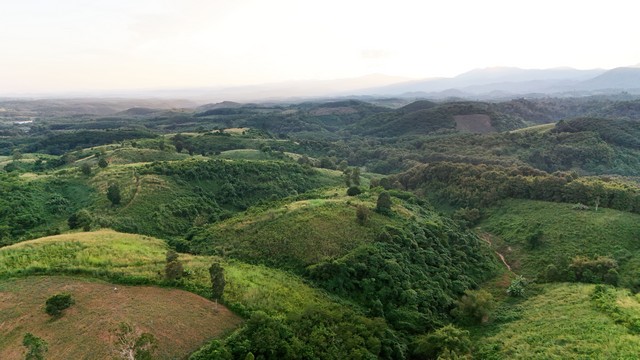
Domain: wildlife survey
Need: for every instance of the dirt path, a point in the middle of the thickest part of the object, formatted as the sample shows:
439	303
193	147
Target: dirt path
135	194
486	237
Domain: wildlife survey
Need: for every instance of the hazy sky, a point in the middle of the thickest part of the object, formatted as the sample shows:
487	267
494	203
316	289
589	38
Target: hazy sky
59	45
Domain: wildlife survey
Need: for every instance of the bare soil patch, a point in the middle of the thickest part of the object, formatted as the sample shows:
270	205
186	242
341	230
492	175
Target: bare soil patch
179	320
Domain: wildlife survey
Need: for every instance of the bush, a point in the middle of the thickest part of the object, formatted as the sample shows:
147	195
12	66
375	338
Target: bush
447	342
57	303
474	306
362	214
516	288
353	191
113	194
36	347
383	205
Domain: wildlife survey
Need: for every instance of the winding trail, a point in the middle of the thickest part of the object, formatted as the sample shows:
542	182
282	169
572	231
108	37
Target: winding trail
486	237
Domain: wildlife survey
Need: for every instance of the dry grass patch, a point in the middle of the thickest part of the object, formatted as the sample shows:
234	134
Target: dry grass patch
179	320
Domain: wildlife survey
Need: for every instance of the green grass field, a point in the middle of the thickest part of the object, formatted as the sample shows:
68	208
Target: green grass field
299	233
136	259
566	233
560	322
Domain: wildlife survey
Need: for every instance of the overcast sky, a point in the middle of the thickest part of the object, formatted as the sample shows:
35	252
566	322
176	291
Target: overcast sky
61	45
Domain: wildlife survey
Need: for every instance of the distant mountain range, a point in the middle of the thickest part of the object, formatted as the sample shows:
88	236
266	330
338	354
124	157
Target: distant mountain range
496	82
506	81
479	84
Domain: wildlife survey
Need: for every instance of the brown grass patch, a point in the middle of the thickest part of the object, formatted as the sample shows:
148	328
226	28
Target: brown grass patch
179	320
476	123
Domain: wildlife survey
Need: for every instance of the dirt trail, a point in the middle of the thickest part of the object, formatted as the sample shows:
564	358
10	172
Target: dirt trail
486	237
135	194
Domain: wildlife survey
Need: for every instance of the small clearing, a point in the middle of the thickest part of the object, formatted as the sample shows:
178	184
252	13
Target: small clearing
475	123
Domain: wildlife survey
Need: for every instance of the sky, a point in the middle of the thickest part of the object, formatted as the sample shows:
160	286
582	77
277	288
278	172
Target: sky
88	45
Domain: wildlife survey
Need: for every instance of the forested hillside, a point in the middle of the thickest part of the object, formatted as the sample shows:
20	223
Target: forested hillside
340	229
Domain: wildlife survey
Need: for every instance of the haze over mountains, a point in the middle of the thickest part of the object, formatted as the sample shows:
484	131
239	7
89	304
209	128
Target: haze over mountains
486	83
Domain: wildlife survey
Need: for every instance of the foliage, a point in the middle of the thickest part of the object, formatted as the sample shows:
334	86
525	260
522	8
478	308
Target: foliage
85	168
173	269
218	282
415	273
383	205
214	350
362	214
474	306
36	347
447	342
562	322
102	163
80	219
56	303
113	194
517	286
131	344
353	191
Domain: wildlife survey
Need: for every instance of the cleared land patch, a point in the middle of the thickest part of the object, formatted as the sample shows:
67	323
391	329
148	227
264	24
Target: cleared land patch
179	320
475	123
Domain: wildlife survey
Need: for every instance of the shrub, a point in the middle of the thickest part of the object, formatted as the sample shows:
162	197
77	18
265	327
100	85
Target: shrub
113	194
383	205
36	347
447	342
353	191
362	214
475	306
517	286
173	269
57	303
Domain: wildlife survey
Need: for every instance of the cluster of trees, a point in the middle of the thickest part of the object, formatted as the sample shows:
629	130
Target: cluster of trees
410	276
478	186
598	270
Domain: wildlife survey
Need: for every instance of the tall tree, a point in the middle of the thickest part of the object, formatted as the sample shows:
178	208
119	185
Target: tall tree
355	176
113	194
383	205
216	271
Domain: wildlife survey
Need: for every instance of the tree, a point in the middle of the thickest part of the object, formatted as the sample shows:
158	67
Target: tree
446	341
131	345
516	288
217	281
113	194
347	176
56	303
102	163
85	168
475	306
355	176
173	269
80	219
362	214
383	205
16	154
36	347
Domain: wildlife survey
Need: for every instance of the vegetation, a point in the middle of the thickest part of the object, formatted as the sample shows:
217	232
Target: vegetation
57	303
36	347
340	229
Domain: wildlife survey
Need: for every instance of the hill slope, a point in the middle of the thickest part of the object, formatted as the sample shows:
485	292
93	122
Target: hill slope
180	321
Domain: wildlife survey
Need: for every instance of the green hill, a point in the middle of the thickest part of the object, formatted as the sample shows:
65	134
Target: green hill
181	322
564	321
562	234
279	305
